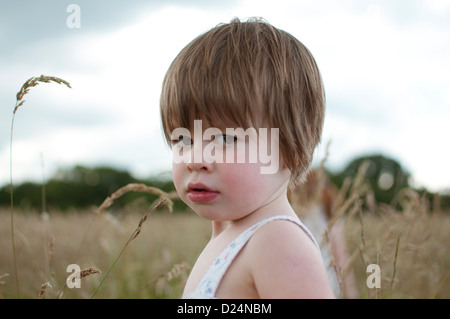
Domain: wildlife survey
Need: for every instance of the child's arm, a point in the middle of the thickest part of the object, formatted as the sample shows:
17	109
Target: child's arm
285	263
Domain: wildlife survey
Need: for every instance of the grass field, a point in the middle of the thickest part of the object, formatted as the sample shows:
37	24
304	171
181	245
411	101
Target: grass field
412	250
410	246
142	271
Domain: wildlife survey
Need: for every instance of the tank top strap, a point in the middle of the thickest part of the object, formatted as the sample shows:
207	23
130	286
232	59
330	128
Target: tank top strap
212	278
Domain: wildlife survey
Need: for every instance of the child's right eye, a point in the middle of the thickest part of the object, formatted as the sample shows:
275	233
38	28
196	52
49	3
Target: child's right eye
226	139
183	140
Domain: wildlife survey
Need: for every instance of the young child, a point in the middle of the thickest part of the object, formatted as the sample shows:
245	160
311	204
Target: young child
246	88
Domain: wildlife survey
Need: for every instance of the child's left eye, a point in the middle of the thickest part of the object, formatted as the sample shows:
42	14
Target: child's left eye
226	139
182	140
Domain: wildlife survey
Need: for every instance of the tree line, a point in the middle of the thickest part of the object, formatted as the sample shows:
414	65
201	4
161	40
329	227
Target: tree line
85	187
81	188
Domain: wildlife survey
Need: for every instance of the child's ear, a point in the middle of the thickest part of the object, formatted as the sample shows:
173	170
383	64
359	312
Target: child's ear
297	161
283	162
284	166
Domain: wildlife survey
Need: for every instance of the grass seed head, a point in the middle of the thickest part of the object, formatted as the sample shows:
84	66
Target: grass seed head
83	273
34	81
2	277
43	290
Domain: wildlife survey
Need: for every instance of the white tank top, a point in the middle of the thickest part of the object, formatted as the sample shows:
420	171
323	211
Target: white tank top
208	285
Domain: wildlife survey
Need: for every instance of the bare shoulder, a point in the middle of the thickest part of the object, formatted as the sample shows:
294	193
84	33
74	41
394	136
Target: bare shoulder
286	263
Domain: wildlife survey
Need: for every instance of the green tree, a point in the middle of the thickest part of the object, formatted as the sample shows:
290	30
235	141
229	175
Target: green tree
83	187
385	175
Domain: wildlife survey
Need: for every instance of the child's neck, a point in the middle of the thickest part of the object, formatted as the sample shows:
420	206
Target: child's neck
279	206
218	227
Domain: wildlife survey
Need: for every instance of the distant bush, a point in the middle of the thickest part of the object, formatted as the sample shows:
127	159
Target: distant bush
82	187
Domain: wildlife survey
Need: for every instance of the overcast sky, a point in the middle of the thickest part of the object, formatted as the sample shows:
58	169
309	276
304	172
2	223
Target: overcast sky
384	64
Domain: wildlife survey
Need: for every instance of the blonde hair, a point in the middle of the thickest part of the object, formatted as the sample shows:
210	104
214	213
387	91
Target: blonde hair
244	73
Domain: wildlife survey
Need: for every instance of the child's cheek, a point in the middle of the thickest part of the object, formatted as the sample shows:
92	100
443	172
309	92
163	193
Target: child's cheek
242	178
177	176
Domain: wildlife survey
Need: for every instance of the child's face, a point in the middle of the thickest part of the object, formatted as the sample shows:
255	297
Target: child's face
229	190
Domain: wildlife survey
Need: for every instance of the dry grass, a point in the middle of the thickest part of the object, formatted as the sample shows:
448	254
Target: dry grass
43	290
32	82
410	245
163	199
410	250
408	240
141	188
154	265
2	279
24	90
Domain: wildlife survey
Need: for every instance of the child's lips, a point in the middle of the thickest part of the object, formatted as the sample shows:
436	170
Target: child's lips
199	193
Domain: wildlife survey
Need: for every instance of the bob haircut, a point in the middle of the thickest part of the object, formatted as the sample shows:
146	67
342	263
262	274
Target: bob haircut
249	74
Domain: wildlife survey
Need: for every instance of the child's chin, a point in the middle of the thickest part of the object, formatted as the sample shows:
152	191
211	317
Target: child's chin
211	215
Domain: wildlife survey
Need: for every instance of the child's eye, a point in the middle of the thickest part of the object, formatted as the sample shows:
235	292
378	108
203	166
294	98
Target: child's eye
226	139
183	140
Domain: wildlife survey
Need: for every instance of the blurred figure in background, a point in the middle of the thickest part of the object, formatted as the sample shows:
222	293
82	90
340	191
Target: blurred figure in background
313	202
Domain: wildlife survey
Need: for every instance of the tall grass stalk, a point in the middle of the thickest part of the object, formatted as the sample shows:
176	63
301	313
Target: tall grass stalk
31	82
16	273
132	187
43	197
395	260
164	198
133	236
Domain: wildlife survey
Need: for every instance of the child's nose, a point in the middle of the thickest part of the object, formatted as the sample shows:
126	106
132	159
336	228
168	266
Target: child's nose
196	159
199	166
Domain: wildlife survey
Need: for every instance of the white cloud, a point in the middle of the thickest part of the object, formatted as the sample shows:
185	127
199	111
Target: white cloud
384	69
